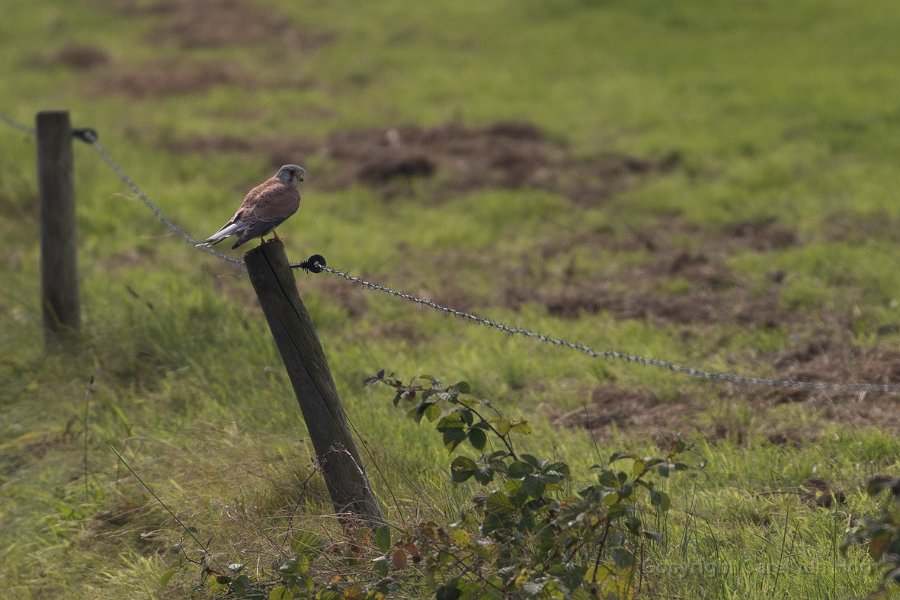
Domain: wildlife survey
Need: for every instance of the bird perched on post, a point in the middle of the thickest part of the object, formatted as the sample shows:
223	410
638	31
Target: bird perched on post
264	208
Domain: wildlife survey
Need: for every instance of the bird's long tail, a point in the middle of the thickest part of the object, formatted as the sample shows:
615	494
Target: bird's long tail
229	229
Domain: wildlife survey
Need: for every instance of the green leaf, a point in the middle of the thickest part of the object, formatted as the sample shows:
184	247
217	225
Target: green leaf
491	523
534	485
620	455
660	499
423	407
622	557
432	412
484	475
453	438
498	502
451	420
519	469
533	588
559	467
461	538
462	468
241	584
383	538
236	567
651	463
534	461
463	387
449	591
478	438
521	427
381	566
307	543
167	576
653	535
634	525
608	478
280	592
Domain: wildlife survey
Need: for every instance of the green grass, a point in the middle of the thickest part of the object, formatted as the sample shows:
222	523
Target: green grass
777	110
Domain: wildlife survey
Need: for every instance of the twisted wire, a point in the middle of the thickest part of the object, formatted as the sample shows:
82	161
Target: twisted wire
16	125
613	354
316	264
89	136
155	209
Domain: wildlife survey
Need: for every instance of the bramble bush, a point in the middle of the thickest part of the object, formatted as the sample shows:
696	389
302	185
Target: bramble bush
527	532
880	533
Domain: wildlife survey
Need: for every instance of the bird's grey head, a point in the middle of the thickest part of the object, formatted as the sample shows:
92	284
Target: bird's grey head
291	174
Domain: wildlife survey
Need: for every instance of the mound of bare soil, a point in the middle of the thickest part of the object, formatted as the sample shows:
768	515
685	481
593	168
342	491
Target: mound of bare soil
167	78
636	410
674	286
454	159
824	359
216	23
80	57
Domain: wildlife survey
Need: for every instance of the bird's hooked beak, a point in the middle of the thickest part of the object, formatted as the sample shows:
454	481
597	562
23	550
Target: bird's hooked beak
291	174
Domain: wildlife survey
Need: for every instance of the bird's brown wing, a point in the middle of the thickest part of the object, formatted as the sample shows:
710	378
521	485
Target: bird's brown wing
266	207
270	201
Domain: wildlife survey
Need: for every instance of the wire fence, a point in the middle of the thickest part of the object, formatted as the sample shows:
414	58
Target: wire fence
317	263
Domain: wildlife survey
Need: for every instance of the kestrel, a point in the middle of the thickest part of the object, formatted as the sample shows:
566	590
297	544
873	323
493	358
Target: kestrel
264	208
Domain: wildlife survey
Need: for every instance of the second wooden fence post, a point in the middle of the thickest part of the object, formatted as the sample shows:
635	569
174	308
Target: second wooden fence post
297	341
60	299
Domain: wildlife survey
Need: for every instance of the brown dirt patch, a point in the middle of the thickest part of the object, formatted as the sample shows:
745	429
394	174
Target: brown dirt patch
711	295
396	330
674	285
167	78
763	235
78	57
856	228
25	449
636	410
349	297
454	159
824	359
216	23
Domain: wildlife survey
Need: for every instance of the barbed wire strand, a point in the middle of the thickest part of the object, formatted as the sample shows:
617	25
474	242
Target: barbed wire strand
90	137
613	354
154	208
16	125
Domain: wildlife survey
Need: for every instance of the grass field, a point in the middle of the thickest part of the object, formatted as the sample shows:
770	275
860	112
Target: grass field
708	183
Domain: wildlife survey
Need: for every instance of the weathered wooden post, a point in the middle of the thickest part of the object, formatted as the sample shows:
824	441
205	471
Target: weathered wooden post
307	368
60	300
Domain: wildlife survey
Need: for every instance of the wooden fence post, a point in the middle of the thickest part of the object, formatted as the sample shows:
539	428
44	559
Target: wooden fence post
60	299
304	359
